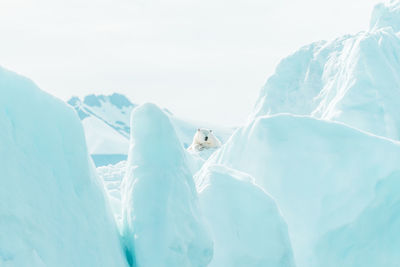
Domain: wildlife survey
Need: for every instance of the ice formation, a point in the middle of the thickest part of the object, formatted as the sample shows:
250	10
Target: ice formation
386	14
353	79
162	222
52	207
337	186
372	239
321	174
246	225
325	191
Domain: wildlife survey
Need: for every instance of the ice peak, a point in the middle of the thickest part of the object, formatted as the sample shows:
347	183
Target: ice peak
148	121
386	14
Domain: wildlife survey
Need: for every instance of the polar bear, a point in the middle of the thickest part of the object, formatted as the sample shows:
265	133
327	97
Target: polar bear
204	139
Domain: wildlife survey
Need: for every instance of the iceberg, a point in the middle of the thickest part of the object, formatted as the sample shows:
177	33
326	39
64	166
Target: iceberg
353	79
162	223
52	206
246	225
321	174
386	14
372	239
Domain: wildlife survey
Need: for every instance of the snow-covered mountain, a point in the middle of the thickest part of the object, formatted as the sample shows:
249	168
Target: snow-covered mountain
114	110
354	79
106	120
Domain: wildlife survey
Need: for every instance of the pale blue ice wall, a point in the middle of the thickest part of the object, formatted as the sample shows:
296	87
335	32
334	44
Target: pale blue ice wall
162	223
247	227
373	238
321	174
52	208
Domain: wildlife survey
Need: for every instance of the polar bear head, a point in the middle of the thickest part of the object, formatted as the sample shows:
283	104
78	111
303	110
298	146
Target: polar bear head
204	138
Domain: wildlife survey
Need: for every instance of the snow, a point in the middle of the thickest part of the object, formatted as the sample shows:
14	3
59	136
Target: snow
321	174
162	222
353	79
246	225
112	176
52	206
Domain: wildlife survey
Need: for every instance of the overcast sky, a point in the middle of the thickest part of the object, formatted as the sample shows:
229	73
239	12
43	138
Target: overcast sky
204	60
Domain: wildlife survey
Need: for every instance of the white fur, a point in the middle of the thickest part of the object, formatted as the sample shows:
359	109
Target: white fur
199	140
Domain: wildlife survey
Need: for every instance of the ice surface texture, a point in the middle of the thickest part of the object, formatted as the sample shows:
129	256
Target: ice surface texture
337	187
321	174
372	239
52	207
246	225
354	79
386	14
112	176
162	223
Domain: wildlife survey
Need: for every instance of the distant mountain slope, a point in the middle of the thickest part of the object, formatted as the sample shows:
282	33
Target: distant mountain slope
113	110
106	123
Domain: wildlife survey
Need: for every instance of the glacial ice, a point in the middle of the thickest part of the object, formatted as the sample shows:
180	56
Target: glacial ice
336	184
246	225
373	238
386	14
321	174
52	207
322	146
162	223
353	79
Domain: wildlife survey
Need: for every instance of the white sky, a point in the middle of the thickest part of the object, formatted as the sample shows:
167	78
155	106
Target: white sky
205	60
